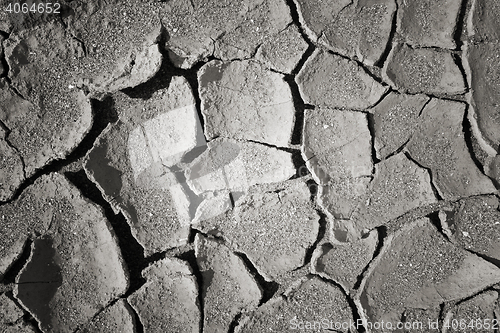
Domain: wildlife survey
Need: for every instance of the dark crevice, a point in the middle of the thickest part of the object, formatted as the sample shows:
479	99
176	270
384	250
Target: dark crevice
470	139
190	258
461	26
434	189
11	275
436	221
234	323
300	108
269	288
458	61
390	41
489	259
139	327
321	234
294	12
371	126
103	114
131	250
313	190
382	235
366	69
30	320
298	102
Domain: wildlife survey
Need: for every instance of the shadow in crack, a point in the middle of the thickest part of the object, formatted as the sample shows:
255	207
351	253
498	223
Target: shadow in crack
132	251
39	282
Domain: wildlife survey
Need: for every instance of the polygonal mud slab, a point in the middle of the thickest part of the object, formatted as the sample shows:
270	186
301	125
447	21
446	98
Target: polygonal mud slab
352	28
46	116
274	229
474	315
483	24
336	144
484	63
475	226
284	51
235	166
428	23
341	197
118	43
344	262
75	267
243	100
133	163
398	186
315	302
227	30
228	287
168	301
333	81
119	317
426	71
11	168
426	270
439	145
395	119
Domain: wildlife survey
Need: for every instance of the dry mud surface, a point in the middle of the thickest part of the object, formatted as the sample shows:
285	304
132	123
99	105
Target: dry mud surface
250	166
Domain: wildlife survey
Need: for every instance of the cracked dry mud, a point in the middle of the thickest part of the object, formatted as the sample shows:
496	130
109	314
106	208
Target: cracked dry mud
250	166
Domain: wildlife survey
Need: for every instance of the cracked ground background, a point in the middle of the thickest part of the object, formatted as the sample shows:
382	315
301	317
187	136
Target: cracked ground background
249	166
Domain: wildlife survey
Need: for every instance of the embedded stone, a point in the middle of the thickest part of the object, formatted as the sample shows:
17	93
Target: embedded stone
395	120
423	71
228	287
284	52
274	229
345	262
235	166
439	146
398	186
243	100
352	28
484	64
119	317
476	312
11	169
168	301
475	225
134	162
426	23
228	31
47	117
314	301
332	81
75	268
426	270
